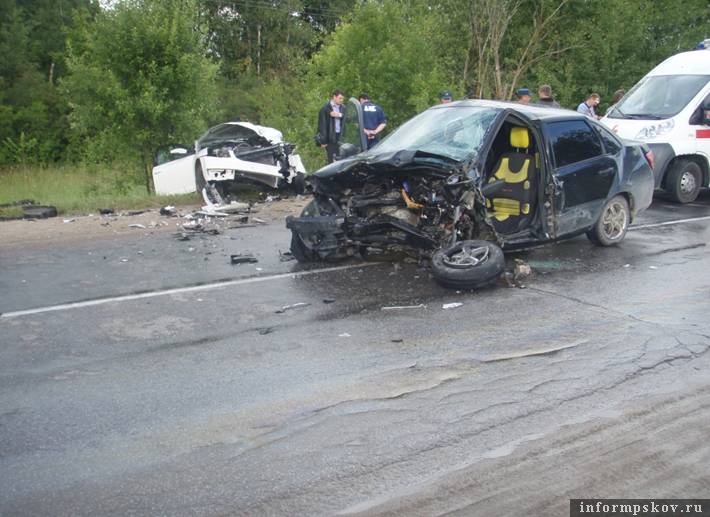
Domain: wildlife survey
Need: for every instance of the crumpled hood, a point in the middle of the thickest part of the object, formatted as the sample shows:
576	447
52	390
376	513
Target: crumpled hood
383	163
239	131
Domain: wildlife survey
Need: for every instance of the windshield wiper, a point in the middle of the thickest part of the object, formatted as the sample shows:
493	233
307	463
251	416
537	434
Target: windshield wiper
617	113
643	116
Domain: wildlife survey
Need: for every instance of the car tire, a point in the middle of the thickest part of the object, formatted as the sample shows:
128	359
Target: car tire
684	181
612	224
299	250
468	264
213	193
39	211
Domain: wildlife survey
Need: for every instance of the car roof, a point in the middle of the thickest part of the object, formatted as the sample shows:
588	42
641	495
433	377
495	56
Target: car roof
530	111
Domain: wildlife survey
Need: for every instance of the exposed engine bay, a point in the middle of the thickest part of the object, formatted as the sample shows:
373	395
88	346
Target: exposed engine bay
415	210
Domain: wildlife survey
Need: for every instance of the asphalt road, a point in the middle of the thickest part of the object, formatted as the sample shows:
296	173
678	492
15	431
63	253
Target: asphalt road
143	375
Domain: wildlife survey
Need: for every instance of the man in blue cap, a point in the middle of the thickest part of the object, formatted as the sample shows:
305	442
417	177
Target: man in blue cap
445	97
524	95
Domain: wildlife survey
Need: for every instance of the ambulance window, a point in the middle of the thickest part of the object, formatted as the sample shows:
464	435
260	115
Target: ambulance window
696	119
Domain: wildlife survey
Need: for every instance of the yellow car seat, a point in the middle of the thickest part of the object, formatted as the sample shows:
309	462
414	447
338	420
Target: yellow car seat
513	205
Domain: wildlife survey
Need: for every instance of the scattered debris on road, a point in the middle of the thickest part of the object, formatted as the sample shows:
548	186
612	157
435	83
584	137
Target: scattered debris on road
403	307
292	306
243	258
453	305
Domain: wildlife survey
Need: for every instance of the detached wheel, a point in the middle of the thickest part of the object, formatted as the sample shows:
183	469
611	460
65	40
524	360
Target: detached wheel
39	211
612	224
468	264
683	181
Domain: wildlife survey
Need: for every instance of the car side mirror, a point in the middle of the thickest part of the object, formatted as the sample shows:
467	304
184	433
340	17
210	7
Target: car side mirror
347	150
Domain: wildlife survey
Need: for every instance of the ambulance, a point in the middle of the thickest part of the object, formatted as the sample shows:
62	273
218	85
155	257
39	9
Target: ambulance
669	110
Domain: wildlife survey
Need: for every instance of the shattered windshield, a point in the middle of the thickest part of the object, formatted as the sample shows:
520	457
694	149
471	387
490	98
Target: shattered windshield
659	97
453	132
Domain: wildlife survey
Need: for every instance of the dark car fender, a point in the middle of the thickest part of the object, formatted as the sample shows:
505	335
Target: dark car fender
638	181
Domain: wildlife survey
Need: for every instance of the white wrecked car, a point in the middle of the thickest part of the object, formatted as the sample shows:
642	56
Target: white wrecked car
229	153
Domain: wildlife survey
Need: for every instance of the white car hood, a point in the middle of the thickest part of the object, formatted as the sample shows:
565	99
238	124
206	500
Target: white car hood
230	131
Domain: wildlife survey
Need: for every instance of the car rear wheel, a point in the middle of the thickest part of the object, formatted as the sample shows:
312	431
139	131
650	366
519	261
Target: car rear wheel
612	224
683	181
468	264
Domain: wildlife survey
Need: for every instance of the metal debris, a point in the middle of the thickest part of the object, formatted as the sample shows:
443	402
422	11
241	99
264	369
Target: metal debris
452	305
522	270
292	306
403	307
243	258
169	211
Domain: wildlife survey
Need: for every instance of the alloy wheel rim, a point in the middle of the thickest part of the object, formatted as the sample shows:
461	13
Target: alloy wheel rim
468	256
615	221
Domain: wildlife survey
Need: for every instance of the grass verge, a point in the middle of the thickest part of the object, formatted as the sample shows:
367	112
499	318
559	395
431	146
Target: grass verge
78	189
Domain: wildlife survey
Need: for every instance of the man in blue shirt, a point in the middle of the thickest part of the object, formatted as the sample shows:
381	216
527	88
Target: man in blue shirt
589	105
373	119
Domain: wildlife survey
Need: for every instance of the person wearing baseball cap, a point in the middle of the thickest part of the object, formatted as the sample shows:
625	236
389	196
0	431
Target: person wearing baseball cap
445	96
524	95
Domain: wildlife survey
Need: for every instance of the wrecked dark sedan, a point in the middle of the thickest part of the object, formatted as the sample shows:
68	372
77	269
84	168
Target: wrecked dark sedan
461	182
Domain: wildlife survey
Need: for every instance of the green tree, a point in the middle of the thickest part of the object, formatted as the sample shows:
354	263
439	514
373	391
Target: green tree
32	42
384	49
138	77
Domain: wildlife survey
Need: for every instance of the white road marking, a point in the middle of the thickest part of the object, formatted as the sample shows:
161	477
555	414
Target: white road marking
179	290
668	223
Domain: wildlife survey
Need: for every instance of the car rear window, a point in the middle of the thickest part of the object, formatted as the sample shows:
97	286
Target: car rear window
573	141
611	144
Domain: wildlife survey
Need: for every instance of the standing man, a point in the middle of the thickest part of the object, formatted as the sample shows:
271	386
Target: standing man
544	94
330	125
589	105
373	119
524	95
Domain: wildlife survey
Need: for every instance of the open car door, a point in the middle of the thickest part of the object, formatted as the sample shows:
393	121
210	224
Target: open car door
174	170
352	136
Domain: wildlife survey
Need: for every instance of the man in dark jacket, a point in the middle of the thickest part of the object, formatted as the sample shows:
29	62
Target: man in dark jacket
330	124
544	94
